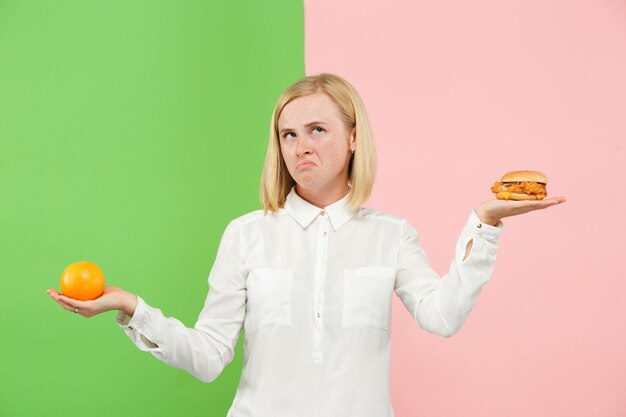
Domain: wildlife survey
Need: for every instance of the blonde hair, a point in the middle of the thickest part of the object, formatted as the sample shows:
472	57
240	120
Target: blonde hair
276	182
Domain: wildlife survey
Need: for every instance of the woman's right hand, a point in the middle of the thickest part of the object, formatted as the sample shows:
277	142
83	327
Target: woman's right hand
113	298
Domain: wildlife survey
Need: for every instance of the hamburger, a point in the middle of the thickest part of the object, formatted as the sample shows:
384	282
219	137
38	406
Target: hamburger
521	185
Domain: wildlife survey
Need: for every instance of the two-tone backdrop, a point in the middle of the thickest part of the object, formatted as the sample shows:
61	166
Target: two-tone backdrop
131	133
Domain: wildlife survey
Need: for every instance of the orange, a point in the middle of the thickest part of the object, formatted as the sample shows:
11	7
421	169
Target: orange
82	281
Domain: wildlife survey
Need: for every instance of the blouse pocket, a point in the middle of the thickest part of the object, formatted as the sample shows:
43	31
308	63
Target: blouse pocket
367	296
269	297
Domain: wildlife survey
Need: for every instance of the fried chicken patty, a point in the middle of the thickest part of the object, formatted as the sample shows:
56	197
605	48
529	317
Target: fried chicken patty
522	187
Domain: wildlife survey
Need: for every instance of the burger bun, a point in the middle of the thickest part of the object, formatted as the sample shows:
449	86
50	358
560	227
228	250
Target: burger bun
516	196
529	176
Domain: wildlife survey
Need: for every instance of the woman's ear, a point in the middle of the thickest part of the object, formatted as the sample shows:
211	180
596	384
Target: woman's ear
353	138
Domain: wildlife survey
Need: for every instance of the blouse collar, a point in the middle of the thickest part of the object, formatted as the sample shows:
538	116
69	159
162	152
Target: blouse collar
304	212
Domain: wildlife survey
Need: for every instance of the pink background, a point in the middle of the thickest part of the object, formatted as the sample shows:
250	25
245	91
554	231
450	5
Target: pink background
459	93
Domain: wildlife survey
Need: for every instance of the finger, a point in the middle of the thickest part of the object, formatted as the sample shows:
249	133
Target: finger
526	206
72	308
66	306
85	308
523	206
546	202
52	293
555	200
72	302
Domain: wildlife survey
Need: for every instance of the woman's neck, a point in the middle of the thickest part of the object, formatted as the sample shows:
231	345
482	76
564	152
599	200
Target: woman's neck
322	198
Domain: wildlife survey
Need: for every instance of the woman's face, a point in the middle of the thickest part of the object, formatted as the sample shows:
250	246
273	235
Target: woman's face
310	129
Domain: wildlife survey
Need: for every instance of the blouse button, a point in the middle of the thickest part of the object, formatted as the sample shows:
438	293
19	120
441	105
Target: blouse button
323	213
479	225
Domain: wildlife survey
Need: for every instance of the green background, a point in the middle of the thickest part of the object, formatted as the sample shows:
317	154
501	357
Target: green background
131	133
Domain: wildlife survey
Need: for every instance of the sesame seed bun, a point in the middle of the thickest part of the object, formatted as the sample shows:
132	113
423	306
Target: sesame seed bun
519	176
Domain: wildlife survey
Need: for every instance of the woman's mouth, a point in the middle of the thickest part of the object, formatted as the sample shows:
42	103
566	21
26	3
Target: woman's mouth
305	164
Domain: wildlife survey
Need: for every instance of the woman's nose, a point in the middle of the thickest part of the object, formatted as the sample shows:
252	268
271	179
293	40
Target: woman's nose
303	146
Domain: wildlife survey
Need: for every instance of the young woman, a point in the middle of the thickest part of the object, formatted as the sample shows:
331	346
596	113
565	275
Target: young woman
310	278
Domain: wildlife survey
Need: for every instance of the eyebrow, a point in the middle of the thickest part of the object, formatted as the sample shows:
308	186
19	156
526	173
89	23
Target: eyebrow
306	125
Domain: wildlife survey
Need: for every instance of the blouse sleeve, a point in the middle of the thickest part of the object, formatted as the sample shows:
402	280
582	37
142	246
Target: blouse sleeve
207	348
441	305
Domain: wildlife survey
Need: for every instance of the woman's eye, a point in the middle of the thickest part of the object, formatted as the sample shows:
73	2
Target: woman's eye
316	127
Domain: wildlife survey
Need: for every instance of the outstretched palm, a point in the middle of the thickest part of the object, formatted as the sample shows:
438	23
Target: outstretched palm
111	299
491	211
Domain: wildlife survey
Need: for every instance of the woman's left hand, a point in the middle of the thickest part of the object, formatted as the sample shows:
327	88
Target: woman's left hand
491	211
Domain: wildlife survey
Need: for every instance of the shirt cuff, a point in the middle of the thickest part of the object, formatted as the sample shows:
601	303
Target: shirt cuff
474	226
132	326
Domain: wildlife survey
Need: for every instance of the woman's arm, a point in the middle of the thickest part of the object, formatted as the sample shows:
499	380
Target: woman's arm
130	303
441	305
205	349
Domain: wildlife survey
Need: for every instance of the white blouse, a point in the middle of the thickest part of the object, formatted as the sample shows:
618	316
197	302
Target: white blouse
312	290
